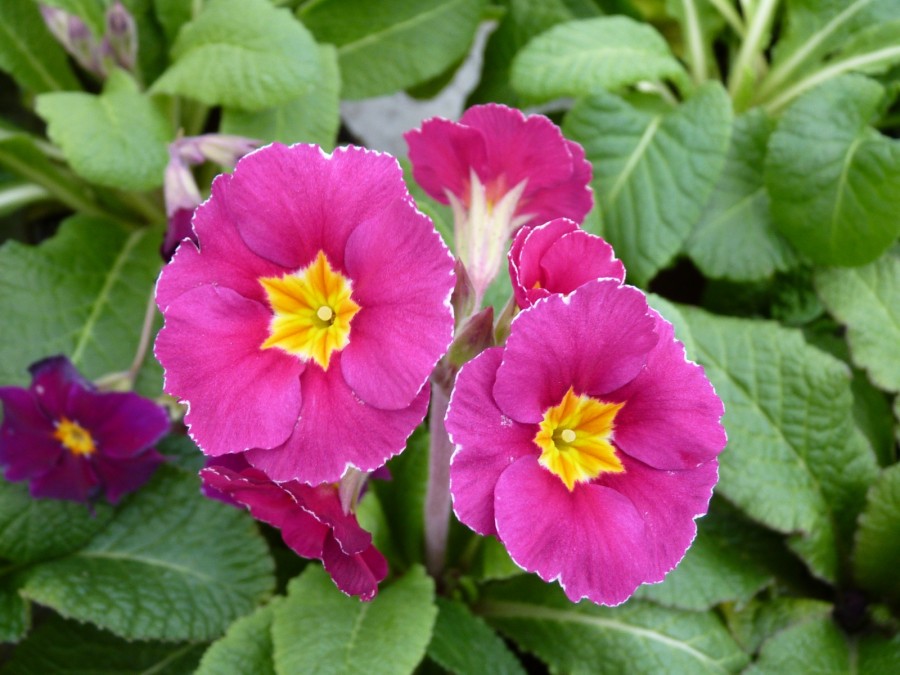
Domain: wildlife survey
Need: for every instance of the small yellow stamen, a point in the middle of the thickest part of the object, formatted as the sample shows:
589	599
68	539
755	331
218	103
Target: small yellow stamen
575	439
325	313
74	437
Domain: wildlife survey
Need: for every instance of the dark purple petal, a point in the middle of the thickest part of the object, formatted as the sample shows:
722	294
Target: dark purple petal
73	478
27	446
122	424
123	476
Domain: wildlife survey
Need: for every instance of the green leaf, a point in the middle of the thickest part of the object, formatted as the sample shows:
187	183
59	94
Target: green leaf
653	170
69	648
867	301
318	629
182	452
16	195
577	58
464	644
759	620
15	611
171	566
172	15
700	22
878	538
82	293
29	52
832	179
735	238
313	117
245	648
241	54
795	461
493	562
814	646
878	655
386	46
637	637
40	529
117	139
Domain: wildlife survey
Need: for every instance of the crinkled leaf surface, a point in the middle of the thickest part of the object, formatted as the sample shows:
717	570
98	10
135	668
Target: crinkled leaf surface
878	538
577	58
833	179
386	46
29	52
313	117
814	646
173	565
319	629
117	139
761	619
795	460
735	238
653	170
637	637
70	648
245	648
867	300
463	643
242	54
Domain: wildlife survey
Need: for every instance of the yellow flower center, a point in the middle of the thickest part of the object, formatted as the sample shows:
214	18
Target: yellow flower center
311	311
74	437
575	436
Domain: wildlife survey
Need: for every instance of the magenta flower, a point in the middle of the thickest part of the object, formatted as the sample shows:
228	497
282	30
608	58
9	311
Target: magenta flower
498	170
588	443
312	521
307	321
70	441
558	257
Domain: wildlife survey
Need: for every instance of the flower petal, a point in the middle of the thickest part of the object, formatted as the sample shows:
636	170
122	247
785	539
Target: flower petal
323	503
239	395
27	446
121	424
123	476
356	574
72	478
442	154
54	380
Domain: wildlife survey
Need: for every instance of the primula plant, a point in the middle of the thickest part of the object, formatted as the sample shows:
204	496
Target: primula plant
596	371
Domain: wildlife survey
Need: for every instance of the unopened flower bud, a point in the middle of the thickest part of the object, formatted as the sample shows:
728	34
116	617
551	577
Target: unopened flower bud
121	35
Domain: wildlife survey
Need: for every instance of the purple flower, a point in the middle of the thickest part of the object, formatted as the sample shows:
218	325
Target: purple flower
70	441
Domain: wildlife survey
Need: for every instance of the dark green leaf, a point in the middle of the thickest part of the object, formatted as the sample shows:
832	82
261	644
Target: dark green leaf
878	537
29	52
15	611
814	646
760	620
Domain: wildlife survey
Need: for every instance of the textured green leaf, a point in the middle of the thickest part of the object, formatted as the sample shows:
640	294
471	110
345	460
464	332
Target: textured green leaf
577	58
637	637
795	461
241	54
760	620
653	170
464	644
814	646
40	529
493	561
832	179
735	238
15	611
318	629
386	46
313	117
29	52
82	293
69	648
171	566
878	538
245	648
867	300
117	139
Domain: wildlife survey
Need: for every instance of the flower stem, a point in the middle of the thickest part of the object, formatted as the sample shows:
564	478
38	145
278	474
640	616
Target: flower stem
752	46
437	496
144	342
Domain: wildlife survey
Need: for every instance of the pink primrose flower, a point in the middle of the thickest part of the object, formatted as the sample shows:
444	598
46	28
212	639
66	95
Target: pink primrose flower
558	257
499	170
70	441
304	324
588	443
311	519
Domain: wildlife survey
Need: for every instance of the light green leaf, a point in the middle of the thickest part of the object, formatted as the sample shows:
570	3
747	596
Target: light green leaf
245	648
795	460
867	300
241	54
117	139
832	179
69	648
636	638
171	566
578	58
760	620
735	238
40	529
172	15
313	117
814	646
318	629
653	170
878	538
386	46
493	561
15	611
29	52
463	644
82	293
